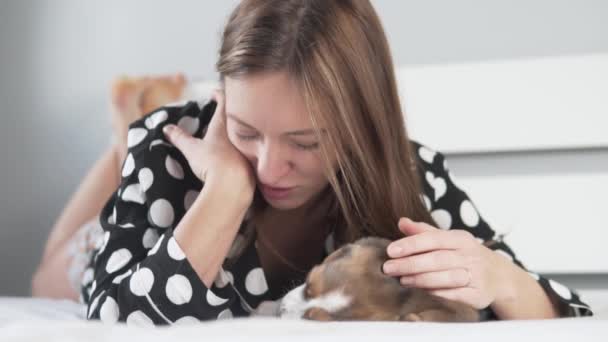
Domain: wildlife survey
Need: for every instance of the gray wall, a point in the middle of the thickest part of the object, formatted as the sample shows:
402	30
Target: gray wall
57	59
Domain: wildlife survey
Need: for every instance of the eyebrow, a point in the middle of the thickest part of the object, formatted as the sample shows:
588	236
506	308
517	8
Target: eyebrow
299	132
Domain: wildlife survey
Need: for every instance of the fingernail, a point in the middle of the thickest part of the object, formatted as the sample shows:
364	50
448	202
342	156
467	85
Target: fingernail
168	128
389	267
394	251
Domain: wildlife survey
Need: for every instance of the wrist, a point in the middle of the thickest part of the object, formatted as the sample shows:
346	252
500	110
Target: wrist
231	187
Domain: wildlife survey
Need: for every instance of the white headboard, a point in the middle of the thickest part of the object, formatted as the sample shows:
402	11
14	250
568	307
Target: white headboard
558	222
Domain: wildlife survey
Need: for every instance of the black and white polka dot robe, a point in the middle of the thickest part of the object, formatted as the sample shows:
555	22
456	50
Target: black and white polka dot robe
138	274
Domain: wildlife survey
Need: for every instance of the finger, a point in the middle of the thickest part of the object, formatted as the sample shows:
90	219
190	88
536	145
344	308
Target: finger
448	279
180	139
426	242
427	262
409	227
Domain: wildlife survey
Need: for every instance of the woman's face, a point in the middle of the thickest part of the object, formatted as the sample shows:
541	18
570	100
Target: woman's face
268	124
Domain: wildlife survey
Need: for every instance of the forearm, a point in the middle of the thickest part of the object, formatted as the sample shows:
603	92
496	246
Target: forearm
208	228
86	202
522	297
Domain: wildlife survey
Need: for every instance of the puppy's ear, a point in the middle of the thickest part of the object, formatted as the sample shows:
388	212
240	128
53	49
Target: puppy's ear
318	314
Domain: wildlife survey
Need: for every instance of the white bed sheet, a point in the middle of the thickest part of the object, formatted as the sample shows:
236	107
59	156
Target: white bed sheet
30	319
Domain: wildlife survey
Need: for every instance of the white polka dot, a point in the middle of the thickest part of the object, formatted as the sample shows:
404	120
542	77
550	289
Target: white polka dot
87	276
154	119
112	218
426	154
225	314
127	225
141	282
150	238
161	213
146	178
157	142
94	303
135	136
133	193
178	289
118	260
469	214
214	300
119	278
139	319
223	278
156	246
106	238
436	183
427	202
534	275
173	168
191	195
561	290
109	311
187	320
255	282
442	218
175	250
188	124
504	254
128	166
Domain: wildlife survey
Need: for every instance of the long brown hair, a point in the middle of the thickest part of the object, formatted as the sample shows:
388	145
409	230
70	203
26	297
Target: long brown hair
338	54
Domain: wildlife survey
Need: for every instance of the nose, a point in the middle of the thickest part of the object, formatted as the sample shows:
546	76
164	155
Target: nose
273	164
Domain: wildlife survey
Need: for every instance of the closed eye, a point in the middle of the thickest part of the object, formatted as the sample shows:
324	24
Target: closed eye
306	147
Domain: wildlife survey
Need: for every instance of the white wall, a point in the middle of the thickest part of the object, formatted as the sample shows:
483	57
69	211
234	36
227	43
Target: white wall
58	57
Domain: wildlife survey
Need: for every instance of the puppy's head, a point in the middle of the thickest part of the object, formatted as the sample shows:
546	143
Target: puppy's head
351	285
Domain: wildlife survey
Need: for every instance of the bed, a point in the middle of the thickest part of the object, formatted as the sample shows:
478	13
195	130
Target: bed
34	319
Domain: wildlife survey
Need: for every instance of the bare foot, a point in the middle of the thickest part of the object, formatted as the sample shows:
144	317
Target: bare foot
134	97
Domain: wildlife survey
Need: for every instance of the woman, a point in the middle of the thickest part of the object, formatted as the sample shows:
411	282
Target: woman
302	149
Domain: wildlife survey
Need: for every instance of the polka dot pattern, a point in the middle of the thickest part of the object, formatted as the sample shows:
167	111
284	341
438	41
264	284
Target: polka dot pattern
442	218
118	260
178	289
136	136
128	166
155	119
161	213
109	311
468	213
146	178
139	319
174	250
255	282
141	282
174	168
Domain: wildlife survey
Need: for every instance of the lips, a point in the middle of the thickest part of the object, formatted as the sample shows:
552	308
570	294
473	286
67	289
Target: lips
275	188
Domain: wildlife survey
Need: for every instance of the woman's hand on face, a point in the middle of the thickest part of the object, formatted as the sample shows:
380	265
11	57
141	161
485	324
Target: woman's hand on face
447	263
214	158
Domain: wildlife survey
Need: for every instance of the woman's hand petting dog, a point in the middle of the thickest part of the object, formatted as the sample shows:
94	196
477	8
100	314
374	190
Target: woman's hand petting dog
447	263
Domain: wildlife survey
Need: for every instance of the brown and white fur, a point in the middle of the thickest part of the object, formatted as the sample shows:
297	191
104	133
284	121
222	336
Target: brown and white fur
351	285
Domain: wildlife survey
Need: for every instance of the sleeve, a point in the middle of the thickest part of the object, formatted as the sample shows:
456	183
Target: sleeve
451	208
141	275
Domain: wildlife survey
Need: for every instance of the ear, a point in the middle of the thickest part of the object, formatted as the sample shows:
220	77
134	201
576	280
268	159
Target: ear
318	314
